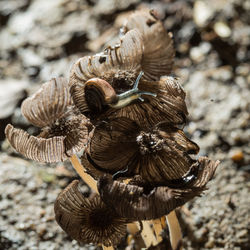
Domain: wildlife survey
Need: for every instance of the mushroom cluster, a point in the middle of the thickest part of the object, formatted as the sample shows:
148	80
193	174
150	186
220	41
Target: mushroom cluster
124	111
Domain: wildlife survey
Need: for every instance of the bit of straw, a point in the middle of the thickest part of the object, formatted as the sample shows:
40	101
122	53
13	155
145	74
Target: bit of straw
174	230
163	221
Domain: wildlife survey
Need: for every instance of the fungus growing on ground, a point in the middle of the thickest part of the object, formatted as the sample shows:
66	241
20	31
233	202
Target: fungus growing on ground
142	202
121	107
88	220
159	155
64	130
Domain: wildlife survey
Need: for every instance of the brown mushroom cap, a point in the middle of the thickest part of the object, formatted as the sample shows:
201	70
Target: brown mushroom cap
64	130
158	52
159	155
35	148
168	106
106	65
48	104
146	47
138	203
88	220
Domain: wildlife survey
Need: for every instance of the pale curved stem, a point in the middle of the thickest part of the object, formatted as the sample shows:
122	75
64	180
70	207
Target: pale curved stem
148	235
81	171
174	230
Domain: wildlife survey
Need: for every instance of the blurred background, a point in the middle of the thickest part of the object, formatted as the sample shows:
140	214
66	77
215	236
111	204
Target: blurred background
40	39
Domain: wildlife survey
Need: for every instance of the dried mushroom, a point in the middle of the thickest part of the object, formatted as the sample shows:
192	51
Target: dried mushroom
168	105
159	155
142	203
94	97
88	220
158	53
64	130
122	60
124	109
120	67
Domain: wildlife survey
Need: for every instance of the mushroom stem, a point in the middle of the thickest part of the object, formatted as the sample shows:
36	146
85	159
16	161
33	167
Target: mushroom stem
80	170
158	229
174	230
148	235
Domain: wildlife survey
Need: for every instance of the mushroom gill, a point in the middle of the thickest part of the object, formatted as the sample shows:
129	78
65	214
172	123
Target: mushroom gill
118	61
88	220
158	54
64	130
145	47
144	203
168	106
159	155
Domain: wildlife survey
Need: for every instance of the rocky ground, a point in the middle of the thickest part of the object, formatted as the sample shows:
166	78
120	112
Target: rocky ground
40	39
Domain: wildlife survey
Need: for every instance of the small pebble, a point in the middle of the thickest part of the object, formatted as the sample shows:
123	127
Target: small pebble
222	29
237	155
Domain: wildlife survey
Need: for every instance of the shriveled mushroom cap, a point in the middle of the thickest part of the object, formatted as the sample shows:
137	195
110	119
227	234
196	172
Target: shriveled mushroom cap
147	47
35	148
135	202
48	104
112	147
107	64
88	220
168	106
159	155
64	130
158	52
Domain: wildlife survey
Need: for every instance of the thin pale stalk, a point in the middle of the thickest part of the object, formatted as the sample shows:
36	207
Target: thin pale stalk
81	171
163	221
148	235
174	230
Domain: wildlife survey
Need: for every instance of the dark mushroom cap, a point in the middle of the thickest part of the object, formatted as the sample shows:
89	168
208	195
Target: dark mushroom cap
48	104
158	52
147	47
135	202
168	106
64	130
158	155
88	220
113	63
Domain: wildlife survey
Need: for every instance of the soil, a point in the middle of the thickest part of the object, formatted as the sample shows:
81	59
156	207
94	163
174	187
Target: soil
40	39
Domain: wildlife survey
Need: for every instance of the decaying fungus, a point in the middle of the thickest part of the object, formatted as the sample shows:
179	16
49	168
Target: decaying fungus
96	95
88	220
122	107
64	130
160	155
158	53
140	202
120	66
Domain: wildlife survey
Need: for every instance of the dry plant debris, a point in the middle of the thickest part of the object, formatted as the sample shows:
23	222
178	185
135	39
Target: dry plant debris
122	107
